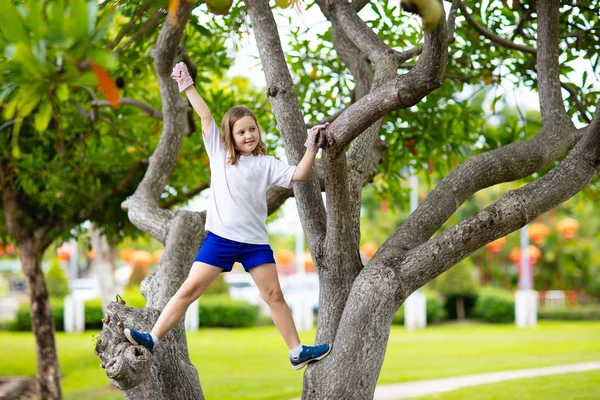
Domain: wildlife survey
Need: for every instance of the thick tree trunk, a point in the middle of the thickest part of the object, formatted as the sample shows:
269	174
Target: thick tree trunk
48	372
167	373
460	309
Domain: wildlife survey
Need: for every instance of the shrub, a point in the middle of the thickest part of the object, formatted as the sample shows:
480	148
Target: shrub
220	311
22	320
435	310
218	287
495	305
56	280
586	313
459	286
93	315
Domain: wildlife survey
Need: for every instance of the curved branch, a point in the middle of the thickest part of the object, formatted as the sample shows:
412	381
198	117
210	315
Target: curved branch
514	210
575	96
150	24
126	29
551	101
142	207
358	32
284	101
148	109
493	37
185	196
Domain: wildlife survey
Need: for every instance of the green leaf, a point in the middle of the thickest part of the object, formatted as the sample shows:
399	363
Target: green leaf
28	102
104	23
9	111
62	92
11	23
35	21
105	58
42	117
57	16
86	79
92	12
77	24
16	150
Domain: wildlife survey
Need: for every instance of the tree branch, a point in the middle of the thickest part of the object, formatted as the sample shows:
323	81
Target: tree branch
185	196
491	36
358	32
513	211
575	96
142	206
505	164
148	109
126	29
284	101
151	23
12	212
551	102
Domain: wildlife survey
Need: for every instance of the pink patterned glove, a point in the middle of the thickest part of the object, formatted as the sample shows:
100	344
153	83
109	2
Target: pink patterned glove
182	76
315	137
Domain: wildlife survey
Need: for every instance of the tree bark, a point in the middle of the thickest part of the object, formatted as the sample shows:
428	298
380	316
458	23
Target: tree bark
42	322
460	308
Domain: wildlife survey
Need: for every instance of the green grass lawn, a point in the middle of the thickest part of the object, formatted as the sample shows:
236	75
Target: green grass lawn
436	352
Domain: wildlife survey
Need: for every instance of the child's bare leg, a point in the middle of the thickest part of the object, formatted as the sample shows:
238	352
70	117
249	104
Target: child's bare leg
265	277
201	275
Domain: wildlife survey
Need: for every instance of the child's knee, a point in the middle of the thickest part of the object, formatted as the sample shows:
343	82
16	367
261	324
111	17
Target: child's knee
273	295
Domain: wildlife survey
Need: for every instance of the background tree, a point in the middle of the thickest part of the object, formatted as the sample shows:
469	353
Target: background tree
71	153
457	285
386	72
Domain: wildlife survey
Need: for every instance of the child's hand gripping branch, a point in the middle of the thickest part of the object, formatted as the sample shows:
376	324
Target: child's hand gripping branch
314	140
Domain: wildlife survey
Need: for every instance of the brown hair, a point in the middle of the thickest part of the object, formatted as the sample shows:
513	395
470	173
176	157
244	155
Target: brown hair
231	117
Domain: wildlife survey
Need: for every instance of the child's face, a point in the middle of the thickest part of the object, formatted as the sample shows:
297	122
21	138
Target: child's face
245	135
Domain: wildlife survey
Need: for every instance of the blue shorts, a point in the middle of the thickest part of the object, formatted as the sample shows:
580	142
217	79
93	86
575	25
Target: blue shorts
223	253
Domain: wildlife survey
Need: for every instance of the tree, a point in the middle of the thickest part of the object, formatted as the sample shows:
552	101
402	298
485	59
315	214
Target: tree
66	156
457	284
357	303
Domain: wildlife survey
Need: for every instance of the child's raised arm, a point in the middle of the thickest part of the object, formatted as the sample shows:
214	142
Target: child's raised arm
184	81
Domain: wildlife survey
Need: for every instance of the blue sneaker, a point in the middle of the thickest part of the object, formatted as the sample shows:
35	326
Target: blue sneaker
310	354
140	338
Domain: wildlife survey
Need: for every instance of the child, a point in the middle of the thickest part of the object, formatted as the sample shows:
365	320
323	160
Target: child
235	220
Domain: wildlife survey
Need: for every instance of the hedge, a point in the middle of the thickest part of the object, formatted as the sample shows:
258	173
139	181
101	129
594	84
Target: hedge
214	311
495	305
583	313
221	311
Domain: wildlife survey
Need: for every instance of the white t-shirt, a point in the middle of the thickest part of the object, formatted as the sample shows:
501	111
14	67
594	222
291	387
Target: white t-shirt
237	205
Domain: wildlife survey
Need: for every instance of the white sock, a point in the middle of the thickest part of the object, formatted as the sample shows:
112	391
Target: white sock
155	339
295	352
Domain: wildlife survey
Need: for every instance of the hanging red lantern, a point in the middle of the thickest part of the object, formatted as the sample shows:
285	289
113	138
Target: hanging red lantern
496	245
533	253
64	252
567	227
368	250
537	232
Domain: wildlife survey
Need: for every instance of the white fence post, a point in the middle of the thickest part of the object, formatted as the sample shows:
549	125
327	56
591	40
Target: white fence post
192	320
415	311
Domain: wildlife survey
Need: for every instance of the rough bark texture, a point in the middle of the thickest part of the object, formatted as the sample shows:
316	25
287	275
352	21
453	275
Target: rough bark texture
32	246
357	303
42	322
